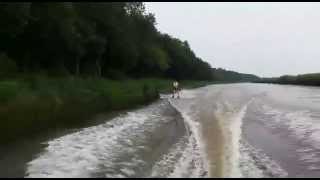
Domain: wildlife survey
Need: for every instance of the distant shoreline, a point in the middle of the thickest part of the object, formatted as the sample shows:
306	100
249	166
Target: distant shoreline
312	79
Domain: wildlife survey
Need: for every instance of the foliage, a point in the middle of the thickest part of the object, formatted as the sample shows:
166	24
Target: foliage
7	66
94	39
225	75
36	103
312	79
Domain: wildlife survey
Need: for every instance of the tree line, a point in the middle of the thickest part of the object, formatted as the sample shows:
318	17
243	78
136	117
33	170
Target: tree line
312	79
220	74
107	39
102	39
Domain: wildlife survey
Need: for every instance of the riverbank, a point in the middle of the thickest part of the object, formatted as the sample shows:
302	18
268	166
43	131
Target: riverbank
36	104
312	79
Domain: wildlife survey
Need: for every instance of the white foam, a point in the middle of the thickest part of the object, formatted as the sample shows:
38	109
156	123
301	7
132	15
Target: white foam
231	121
82	153
301	125
247	164
303	149
242	160
182	160
191	162
314	168
127	171
167	163
256	164
196	145
184	94
188	94
310	157
236	130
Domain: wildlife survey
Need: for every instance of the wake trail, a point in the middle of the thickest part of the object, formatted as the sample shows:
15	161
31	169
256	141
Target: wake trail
126	146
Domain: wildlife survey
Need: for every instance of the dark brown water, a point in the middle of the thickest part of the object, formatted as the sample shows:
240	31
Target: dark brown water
232	130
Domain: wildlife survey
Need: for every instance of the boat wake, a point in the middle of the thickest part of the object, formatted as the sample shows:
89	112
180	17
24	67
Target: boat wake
186	137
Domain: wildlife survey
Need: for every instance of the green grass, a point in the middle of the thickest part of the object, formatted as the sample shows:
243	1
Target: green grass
34	104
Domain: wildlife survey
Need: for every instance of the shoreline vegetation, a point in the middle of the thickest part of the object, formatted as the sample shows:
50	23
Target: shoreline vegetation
33	105
62	62
311	79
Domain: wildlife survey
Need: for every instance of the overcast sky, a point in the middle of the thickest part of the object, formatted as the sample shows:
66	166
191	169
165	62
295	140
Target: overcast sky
266	39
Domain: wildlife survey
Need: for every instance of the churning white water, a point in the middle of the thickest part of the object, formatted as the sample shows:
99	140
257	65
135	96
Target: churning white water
234	130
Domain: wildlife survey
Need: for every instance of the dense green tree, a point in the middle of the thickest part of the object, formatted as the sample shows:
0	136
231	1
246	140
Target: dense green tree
106	39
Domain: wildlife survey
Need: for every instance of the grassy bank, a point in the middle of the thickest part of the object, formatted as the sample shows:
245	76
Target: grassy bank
34	104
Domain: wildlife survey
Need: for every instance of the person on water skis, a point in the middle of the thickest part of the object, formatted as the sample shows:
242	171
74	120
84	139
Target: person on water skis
176	89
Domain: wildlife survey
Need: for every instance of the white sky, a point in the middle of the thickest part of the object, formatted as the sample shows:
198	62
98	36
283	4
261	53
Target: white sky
266	39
